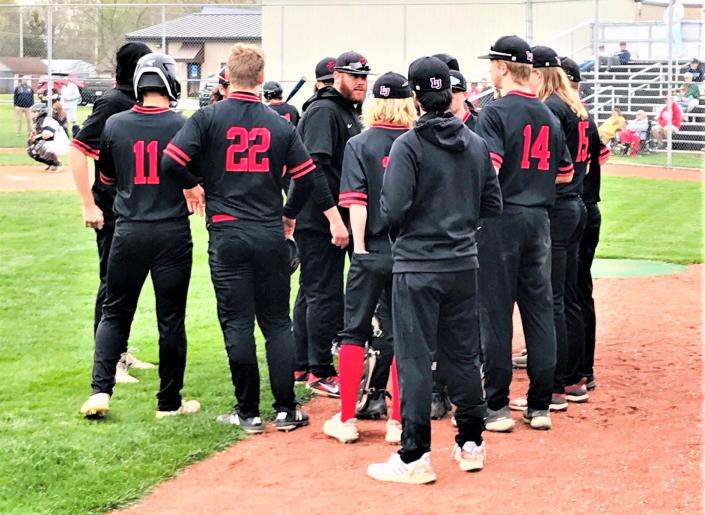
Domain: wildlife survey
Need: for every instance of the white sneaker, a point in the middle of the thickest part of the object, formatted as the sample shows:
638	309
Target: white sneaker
96	406
470	457
121	375
186	408
344	432
133	362
395	470
393	434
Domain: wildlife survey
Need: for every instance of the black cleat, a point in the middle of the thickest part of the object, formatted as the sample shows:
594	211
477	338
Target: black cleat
375	408
288	420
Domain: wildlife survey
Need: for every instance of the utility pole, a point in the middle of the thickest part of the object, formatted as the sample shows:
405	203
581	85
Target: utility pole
530	21
21	33
50	38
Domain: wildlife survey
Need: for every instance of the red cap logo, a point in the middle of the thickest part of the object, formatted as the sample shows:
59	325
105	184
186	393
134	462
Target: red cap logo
330	65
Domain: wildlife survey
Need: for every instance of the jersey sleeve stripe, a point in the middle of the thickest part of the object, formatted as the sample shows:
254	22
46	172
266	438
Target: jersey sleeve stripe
350	202
105	179
565	169
222	217
301	166
303	172
353	194
564	178
177	151
497	159
85	149
169	152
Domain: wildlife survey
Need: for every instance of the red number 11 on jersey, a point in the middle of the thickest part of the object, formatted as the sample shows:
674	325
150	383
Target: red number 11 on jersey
152	154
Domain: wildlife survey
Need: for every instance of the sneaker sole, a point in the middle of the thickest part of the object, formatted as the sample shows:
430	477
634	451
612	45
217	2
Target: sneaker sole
544	426
415	479
519	365
291	427
322	393
558	407
94	413
577	398
345	439
468	466
516	407
502	426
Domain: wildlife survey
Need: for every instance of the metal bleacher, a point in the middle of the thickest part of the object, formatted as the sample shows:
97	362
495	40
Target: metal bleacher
644	85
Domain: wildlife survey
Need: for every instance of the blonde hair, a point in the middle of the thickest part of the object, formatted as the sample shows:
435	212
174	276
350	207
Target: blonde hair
556	81
246	63
399	111
520	72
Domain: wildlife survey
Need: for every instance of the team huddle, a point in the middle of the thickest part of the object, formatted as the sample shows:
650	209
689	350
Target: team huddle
448	216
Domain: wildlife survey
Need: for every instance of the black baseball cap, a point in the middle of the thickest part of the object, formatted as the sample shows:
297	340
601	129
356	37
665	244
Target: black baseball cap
324	69
457	81
510	48
695	61
451	62
391	85
429	74
352	63
545	57
571	69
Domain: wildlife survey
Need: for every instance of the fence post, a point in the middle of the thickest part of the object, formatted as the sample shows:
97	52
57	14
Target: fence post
164	29
530	21
21	33
669	101
596	63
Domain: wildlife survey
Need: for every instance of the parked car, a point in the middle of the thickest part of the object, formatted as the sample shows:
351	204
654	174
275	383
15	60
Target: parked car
95	87
204	91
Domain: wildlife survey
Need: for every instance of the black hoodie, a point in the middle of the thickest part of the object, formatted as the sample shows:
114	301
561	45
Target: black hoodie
438	184
329	121
116	100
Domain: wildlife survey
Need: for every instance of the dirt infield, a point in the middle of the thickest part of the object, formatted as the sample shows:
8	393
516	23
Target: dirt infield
636	447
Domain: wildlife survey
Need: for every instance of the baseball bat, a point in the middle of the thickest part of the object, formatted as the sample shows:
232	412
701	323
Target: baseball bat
296	88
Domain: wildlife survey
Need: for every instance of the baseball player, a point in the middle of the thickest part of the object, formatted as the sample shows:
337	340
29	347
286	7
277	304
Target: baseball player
273	93
598	154
329	121
528	151
220	90
152	236
98	200
460	106
438	183
387	116
48	141
242	147
324	77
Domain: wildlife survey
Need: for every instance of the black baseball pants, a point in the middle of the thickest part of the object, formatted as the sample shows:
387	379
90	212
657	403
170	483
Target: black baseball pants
384	342
436	314
515	267
322	268
250	273
299	329
163	250
104	238
588	245
567	223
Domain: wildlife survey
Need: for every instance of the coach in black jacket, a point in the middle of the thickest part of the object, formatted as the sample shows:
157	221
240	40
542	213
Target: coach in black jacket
438	184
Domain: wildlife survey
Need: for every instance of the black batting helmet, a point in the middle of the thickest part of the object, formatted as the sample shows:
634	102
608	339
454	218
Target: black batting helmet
272	89
156	72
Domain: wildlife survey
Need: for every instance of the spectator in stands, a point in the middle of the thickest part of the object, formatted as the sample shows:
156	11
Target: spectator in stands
695	68
688	95
673	16
623	55
611	126
635	132
669	120
23	100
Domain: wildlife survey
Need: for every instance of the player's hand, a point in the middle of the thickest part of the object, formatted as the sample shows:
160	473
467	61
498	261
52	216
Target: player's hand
339	235
92	216
289	226
195	200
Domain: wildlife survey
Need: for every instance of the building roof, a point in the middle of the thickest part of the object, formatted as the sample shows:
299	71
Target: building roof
24	65
230	24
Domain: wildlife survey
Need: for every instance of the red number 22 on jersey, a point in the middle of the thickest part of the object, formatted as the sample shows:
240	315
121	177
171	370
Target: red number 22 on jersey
240	156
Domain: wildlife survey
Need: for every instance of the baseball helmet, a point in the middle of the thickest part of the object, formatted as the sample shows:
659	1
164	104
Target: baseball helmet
272	89
224	76
156	72
294	260
40	108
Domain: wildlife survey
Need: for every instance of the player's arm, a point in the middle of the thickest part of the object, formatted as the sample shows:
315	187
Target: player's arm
300	169
564	173
399	184
489	128
107	175
491	199
86	145
353	195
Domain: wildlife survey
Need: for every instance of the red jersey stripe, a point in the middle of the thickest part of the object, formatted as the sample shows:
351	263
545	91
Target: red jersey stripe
353	194
301	166
149	109
85	149
303	172
392	126
169	152
222	217
350	202
521	94
183	155
245	97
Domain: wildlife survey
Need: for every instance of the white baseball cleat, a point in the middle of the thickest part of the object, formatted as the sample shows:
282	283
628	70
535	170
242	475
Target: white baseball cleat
344	432
394	470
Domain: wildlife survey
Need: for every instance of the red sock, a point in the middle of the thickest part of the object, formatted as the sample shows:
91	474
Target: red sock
350	361
396	401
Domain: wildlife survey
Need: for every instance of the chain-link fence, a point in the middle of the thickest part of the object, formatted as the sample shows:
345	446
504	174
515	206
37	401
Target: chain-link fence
61	41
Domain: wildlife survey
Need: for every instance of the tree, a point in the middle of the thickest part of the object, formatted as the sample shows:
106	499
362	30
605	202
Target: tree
35	42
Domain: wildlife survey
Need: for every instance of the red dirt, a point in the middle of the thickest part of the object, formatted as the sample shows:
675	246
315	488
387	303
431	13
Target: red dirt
636	447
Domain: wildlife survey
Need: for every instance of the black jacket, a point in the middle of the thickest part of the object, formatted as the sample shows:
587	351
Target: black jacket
328	123
438	184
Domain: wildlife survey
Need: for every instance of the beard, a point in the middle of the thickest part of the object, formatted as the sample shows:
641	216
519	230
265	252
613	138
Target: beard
356	94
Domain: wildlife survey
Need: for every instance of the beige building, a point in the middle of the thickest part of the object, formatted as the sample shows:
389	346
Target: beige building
390	33
200	42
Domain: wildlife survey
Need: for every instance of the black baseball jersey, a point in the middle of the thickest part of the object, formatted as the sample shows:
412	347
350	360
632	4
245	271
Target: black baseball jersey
88	139
364	163
131	148
470	116
327	125
438	184
244	149
598	154
527	146
577	134
286	111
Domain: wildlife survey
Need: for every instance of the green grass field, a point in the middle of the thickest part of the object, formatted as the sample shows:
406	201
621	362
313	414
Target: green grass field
52	461
689	160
